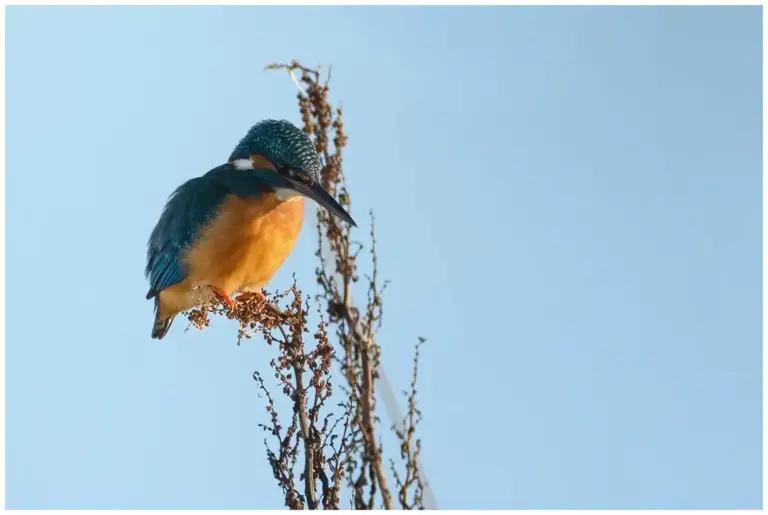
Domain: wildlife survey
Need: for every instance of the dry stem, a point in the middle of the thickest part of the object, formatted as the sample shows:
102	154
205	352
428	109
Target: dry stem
331	455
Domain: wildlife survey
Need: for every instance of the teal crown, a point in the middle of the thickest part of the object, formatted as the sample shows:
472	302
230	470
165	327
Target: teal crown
283	144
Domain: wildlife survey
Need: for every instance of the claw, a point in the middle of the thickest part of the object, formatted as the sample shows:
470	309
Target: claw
225	298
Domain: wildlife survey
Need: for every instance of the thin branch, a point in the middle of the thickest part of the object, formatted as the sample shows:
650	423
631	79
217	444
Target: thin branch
309	451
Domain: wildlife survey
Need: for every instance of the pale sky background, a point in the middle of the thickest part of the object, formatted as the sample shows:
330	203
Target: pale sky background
569	207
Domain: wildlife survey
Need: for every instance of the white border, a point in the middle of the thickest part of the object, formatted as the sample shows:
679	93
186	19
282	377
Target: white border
341	2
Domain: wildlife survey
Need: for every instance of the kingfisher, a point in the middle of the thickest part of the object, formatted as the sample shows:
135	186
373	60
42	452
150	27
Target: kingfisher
229	230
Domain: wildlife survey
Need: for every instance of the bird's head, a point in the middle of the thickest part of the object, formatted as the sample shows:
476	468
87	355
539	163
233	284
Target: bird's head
295	165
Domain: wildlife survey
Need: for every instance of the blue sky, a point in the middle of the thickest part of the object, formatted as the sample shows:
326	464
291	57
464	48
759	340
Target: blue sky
568	205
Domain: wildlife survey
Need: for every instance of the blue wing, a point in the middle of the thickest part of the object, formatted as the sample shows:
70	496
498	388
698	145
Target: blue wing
188	210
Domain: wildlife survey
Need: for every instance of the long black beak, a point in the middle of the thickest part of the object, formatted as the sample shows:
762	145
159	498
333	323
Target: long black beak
317	193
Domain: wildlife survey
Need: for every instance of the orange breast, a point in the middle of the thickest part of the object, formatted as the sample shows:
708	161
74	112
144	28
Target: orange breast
246	243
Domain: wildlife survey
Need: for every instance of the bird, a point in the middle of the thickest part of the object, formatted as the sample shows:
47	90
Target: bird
229	230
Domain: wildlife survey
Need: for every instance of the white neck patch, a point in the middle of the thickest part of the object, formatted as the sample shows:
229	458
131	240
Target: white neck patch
286	193
243	164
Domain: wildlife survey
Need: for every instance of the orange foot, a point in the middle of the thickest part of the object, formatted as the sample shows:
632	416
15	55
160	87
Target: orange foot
250	295
225	298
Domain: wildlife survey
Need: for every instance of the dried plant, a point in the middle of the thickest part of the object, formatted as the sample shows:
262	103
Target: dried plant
410	450
333	455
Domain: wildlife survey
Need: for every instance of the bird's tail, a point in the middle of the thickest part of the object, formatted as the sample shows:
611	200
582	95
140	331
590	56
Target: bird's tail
161	325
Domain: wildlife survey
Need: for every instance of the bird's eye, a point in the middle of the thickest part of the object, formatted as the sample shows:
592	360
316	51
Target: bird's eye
297	176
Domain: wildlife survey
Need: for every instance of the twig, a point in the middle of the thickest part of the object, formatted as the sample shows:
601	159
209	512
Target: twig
309	451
